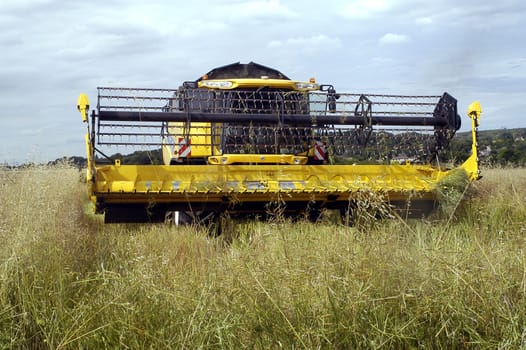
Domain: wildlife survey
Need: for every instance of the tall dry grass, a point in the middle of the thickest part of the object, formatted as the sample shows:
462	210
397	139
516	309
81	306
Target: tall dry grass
67	281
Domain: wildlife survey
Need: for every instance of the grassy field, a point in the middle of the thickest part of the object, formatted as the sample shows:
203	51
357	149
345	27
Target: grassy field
67	281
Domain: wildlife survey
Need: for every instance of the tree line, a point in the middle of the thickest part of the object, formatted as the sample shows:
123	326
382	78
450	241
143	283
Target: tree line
503	147
500	147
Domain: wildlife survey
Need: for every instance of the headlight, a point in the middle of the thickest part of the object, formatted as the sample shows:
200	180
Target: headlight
216	84
307	86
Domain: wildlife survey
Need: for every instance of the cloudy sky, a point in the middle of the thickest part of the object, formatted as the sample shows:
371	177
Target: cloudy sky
52	50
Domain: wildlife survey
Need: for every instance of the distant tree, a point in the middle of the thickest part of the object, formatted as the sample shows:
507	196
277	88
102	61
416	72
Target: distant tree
506	156
459	150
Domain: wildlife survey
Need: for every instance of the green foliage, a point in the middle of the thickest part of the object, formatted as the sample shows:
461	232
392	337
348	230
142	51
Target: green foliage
142	157
67	281
502	147
139	157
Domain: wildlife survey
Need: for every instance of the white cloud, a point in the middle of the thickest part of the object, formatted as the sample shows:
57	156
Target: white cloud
517	64
424	20
365	8
261	8
313	43
391	38
382	60
23	5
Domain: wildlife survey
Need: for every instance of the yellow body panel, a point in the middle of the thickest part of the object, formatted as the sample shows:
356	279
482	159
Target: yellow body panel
243	83
187	183
83	106
257	159
199	139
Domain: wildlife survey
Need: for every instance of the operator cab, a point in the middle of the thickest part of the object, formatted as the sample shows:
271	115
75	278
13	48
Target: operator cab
248	90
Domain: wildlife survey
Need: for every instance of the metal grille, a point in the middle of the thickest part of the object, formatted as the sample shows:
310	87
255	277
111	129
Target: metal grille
364	127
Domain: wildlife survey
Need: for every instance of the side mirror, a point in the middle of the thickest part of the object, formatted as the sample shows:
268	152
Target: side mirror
332	96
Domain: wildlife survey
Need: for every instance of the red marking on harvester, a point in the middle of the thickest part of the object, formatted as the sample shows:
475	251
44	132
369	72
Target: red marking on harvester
319	151
185	148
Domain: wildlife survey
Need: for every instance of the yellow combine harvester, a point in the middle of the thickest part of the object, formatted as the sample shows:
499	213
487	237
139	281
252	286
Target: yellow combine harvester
244	140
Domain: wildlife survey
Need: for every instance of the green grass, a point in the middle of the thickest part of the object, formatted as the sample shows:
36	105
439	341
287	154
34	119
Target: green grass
67	281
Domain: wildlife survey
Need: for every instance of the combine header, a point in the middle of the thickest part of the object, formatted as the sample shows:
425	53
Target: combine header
244	140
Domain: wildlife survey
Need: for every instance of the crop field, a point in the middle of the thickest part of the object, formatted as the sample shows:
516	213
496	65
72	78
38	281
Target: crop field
456	279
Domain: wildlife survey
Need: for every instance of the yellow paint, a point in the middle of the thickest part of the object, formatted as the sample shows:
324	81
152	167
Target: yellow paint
129	183
471	165
83	106
229	84
257	159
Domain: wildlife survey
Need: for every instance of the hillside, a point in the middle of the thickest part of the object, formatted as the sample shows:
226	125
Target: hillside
497	147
